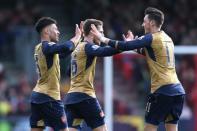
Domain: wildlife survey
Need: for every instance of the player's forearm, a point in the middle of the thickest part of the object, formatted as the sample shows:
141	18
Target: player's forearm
141	42
126	45
101	51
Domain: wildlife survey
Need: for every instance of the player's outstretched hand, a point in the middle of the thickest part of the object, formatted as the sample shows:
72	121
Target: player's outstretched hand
81	26
77	36
129	36
98	35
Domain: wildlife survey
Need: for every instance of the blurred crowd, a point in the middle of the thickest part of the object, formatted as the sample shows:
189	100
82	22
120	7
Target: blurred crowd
118	16
14	15
14	94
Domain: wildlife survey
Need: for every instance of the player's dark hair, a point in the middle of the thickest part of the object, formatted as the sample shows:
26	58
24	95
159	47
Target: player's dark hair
43	22
87	25
156	15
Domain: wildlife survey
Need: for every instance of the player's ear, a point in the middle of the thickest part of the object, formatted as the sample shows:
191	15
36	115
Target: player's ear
91	34
45	30
152	22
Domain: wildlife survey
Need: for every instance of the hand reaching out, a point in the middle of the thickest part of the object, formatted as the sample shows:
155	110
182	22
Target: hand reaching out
129	36
95	32
81	26
77	36
98	35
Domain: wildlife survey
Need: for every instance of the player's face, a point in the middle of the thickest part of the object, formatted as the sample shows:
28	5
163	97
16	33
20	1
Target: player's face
54	33
100	29
146	24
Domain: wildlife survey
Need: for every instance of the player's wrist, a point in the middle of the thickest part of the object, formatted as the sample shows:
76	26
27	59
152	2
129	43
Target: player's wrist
116	45
104	39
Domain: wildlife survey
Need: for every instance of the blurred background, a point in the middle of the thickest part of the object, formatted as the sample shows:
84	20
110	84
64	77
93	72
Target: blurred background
131	77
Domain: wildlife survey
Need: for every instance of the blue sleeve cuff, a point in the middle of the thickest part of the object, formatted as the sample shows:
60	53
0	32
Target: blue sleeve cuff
112	43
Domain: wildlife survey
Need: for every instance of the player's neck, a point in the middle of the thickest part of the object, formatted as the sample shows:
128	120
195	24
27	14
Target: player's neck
45	38
155	29
88	39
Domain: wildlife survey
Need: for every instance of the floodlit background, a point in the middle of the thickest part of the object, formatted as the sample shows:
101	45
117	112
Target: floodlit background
130	75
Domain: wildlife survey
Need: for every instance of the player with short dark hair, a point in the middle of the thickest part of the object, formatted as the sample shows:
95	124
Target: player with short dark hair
156	15
81	103
47	108
165	103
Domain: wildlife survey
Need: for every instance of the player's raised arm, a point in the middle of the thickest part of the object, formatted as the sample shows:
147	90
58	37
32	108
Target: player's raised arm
63	48
140	42
78	32
52	48
143	41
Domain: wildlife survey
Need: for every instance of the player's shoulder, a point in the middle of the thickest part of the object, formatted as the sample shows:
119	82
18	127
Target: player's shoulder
146	36
161	35
38	46
166	37
44	43
50	43
92	46
47	43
